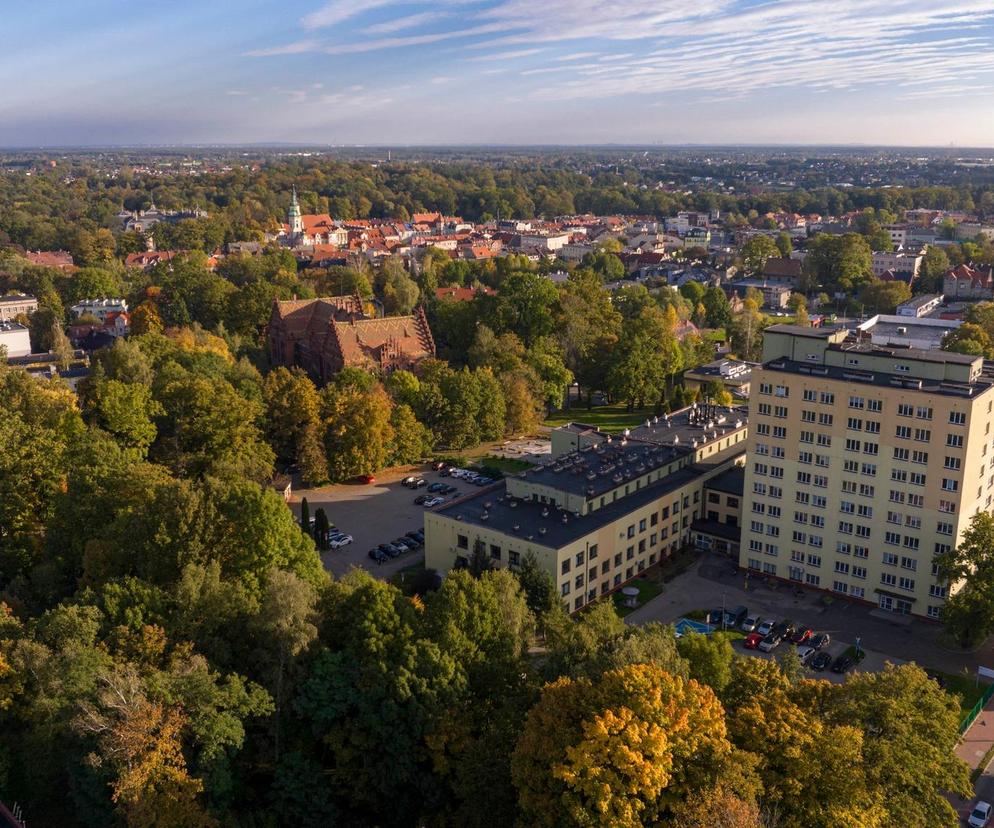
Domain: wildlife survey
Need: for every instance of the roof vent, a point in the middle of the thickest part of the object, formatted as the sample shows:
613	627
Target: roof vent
515	528
541	530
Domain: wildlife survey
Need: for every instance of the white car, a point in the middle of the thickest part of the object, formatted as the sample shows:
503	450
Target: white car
338	541
766	627
980	816
749	624
805	653
433	501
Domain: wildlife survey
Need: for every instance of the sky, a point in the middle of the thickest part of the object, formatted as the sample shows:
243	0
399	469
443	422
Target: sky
895	72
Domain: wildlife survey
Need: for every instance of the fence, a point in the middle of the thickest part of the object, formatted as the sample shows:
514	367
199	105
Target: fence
976	709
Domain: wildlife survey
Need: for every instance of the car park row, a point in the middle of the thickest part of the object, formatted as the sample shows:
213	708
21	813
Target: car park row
411	542
766	635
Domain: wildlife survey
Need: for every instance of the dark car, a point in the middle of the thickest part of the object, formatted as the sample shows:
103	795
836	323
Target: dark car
447	489
420	499
736	616
842	663
444	472
715	617
414	534
437	487
377	555
821	661
785	629
802	635
389	550
820	641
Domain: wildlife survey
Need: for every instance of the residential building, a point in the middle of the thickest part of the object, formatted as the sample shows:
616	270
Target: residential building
456	293
99	308
14	339
16	304
543	240
864	462
969	281
776	295
889	330
59	259
604	510
904	264
322	336
786	271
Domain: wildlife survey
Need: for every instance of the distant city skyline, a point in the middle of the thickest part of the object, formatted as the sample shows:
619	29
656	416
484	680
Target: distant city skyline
511	72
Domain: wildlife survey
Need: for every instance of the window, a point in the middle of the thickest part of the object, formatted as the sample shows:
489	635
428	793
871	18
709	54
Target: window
827	398
814	560
824	440
842	567
852	445
578	581
901	454
874	405
923	435
916	479
944	528
807	436
954	440
631	531
909	563
462	541
780	411
854	424
781	391
593	551
907	584
856	402
840	586
903	432
812	580
564	589
859	572
893	538
952	463
947	506
949	485
923	413
579	558
779	432
933	612
495	551
861	552
565	567
888	579
825	419
872	427
905	410
807	416
957	418
937	591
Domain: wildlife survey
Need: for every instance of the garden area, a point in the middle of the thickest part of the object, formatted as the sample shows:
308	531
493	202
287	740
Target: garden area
614	417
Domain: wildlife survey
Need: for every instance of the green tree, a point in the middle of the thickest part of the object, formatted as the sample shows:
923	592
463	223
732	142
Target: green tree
718	312
358	436
968	613
127	411
784	244
879	296
709	659
968	339
292	405
756	251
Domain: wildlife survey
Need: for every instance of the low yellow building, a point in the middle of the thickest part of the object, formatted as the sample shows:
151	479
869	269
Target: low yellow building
603	510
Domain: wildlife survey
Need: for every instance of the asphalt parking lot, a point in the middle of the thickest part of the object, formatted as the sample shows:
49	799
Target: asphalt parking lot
373	514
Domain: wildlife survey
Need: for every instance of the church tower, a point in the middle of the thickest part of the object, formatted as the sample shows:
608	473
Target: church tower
293	219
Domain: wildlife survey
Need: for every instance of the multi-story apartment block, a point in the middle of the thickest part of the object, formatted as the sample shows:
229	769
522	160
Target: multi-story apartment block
604	510
865	461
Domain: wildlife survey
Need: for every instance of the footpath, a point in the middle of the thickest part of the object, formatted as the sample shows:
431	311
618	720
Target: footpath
973	749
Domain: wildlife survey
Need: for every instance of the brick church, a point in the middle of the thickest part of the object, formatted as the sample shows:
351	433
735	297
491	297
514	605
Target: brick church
325	335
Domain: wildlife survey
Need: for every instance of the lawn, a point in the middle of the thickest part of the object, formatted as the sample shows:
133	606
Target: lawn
647	591
966	687
608	417
507	465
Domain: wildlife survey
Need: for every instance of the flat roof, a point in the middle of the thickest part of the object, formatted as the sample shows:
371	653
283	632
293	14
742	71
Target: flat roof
883	379
731	481
904	352
803	330
504	512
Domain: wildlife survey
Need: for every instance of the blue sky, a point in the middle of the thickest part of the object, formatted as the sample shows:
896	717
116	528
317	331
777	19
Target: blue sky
497	71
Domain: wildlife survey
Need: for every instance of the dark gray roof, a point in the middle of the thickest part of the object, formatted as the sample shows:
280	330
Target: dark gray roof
718	530
730	482
528	516
803	330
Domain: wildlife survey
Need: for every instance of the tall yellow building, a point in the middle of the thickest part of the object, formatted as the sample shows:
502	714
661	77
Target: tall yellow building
606	508
866	458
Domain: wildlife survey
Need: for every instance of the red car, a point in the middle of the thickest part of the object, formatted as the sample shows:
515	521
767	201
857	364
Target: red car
368	478
752	641
802	635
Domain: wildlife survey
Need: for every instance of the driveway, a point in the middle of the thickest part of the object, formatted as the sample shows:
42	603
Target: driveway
373	514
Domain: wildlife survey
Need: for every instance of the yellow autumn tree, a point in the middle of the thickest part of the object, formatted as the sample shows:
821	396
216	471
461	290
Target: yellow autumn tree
621	750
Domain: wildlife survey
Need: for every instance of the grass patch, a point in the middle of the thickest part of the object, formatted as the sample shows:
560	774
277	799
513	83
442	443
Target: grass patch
608	417
647	591
964	686
731	635
508	465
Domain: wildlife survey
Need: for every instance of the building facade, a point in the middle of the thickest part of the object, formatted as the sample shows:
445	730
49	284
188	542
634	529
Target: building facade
864	462
603	511
15	304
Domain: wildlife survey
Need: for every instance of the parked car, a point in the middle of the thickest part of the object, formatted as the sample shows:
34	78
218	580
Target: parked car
407	481
749	623
447	489
420	499
338	541
419	483
770	642
389	549
786	629
415	534
438	465
802	635
804	653
432	501
368	478
980	816
841	664
821	661
820	641
735	617
438	487
752	641
715	617
377	555
765	627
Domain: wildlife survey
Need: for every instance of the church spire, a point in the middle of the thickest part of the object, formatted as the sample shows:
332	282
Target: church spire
293	219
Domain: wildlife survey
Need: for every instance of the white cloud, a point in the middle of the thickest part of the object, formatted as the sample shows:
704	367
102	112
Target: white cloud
398	24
